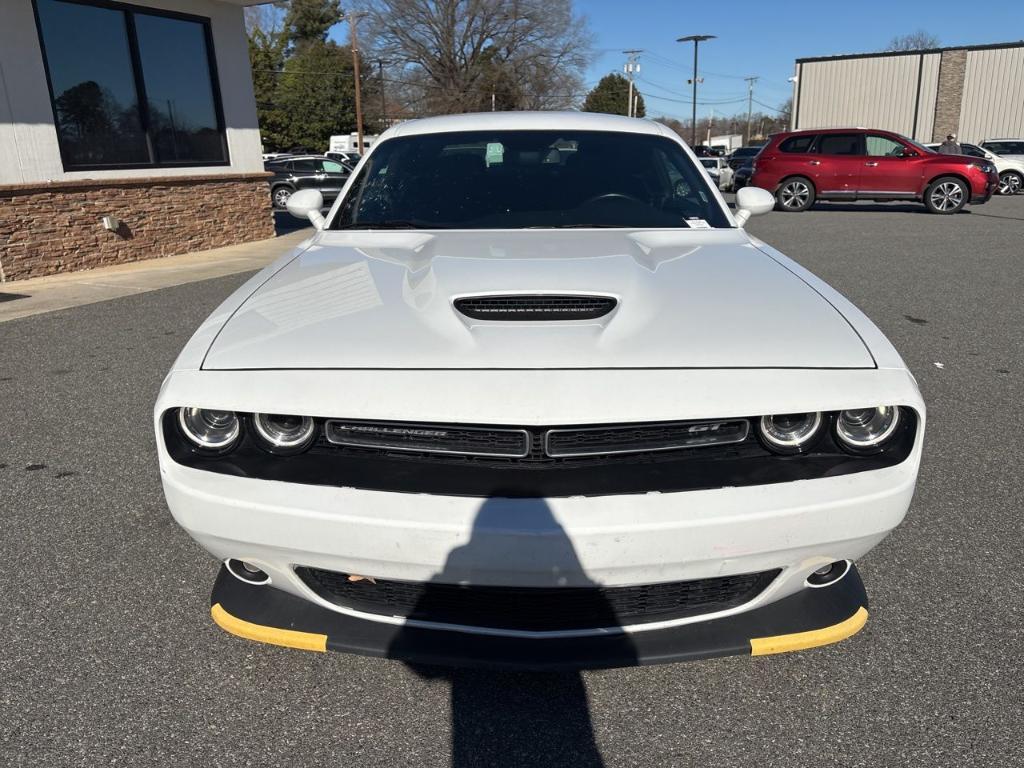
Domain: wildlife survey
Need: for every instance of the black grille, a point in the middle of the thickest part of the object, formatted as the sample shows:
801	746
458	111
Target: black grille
598	441
429	438
541	307
537	609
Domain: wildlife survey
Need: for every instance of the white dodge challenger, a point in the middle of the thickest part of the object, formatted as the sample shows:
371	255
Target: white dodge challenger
530	397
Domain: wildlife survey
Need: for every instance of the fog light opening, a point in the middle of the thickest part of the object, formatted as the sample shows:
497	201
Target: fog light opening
246	572
829	574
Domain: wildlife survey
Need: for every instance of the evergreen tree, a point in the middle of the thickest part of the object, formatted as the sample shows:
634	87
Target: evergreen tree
308	21
266	56
611	96
315	96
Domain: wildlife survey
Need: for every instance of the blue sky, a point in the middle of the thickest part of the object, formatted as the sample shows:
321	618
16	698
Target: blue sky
763	38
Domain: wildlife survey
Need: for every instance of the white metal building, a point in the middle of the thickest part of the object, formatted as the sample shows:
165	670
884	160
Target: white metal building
976	92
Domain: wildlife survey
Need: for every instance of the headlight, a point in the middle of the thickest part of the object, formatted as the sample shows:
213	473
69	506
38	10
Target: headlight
790	432
985	167
867	428
282	433
208	429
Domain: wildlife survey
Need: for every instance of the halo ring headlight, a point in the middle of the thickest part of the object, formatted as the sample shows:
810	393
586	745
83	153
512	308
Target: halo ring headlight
280	432
867	428
790	432
209	429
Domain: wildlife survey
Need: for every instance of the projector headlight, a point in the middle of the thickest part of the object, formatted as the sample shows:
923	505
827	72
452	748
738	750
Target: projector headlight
210	430
790	432
864	429
282	433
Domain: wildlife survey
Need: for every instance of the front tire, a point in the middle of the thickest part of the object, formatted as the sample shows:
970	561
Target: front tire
794	195
946	195
1010	183
281	196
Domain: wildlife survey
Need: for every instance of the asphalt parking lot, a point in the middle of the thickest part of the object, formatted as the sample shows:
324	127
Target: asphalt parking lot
109	655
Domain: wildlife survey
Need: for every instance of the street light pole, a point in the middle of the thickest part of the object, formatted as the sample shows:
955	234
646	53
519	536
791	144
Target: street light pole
696	40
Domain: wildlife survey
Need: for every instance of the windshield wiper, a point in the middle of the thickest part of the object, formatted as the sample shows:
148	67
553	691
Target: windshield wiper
582	226
391	224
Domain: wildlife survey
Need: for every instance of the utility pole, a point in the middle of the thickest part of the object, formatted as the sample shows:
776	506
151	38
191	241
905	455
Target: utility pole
696	40
353	19
383	103
750	101
632	66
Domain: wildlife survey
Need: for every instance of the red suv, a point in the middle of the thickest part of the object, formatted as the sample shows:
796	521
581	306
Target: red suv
862	164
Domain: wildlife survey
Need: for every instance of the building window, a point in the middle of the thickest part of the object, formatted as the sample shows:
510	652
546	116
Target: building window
130	87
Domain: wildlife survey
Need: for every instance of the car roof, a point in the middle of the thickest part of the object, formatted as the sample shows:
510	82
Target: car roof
1005	138
526	121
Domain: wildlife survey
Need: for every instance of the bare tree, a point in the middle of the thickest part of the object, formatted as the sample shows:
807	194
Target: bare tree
268	19
915	41
451	55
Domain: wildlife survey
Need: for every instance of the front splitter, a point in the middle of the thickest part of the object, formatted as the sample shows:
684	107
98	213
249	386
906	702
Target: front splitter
809	618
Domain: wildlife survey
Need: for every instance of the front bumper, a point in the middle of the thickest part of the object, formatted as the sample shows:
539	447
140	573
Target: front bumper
806	619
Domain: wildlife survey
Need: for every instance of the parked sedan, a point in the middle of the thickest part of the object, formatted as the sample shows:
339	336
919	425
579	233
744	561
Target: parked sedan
531	397
294	173
719	171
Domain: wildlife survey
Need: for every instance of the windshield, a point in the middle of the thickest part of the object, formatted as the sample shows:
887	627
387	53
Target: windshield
746	151
710	162
523	179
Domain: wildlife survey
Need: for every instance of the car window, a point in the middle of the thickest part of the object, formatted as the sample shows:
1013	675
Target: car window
1005	147
304	166
882	146
708	162
797	144
331	166
522	179
839	144
973	151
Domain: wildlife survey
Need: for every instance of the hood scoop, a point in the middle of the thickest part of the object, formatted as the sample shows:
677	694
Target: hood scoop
538	307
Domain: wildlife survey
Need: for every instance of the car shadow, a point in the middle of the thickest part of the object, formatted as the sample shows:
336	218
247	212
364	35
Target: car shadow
504	719
285	223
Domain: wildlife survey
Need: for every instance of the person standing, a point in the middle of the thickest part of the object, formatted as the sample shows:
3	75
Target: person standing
950	146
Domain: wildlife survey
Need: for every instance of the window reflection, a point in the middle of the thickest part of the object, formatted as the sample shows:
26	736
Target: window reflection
100	117
176	74
94	96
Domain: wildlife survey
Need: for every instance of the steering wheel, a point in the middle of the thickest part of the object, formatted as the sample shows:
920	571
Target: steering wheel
613	196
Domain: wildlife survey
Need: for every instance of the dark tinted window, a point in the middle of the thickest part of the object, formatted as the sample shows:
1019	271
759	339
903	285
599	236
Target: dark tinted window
1005	147
797	144
973	151
130	88
517	179
840	144
176	73
305	166
94	99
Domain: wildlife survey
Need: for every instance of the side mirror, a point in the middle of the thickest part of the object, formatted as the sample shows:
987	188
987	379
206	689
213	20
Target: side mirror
306	204
752	201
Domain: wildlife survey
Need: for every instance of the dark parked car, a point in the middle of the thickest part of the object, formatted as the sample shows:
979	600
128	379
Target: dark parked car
868	164
741	155
741	175
306	172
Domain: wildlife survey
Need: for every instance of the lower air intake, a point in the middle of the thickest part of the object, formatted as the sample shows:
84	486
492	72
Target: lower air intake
535	308
533	608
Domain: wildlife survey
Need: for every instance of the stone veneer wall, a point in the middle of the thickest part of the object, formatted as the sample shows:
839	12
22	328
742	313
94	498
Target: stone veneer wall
57	227
950	94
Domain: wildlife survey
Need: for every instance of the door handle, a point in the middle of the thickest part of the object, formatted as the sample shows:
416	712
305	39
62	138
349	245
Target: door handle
814	162
871	165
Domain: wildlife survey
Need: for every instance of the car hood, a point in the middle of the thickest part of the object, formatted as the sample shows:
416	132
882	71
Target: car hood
685	299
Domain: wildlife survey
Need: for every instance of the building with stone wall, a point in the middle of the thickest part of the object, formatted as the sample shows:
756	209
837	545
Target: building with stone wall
127	131
976	92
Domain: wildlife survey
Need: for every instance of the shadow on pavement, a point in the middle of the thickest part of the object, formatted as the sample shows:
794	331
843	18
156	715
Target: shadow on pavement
503	719
285	223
